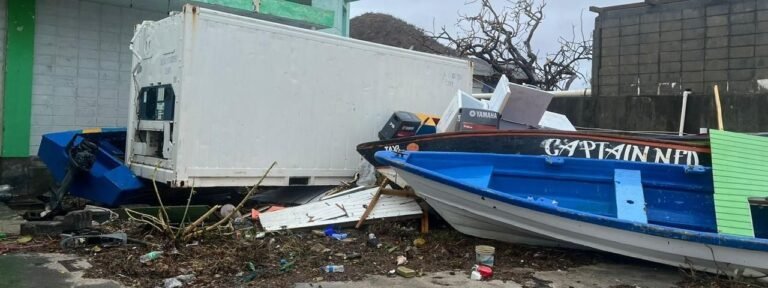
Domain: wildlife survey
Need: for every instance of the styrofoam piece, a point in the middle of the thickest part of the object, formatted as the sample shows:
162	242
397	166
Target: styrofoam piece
330	212
450	115
249	92
524	105
556	121
500	95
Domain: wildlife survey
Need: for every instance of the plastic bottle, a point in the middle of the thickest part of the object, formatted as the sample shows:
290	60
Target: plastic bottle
373	241
150	256
333	269
339	236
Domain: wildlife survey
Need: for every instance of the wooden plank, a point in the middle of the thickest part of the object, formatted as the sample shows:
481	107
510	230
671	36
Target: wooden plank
372	204
630	199
403	193
740	171
719	108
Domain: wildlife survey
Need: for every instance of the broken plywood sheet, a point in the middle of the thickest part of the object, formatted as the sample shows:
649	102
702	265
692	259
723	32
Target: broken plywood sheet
342	209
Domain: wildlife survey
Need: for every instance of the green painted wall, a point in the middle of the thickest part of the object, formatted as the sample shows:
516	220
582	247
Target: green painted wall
330	16
237	4
17	100
298	12
740	171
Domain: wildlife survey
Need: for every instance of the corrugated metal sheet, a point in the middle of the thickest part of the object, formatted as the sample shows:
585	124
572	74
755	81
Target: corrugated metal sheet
740	170
329	212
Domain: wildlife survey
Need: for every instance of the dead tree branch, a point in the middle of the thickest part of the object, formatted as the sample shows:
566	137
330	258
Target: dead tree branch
504	38
193	231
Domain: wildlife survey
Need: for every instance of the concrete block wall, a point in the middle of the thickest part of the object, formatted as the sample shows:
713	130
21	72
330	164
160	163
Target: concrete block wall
82	65
663	49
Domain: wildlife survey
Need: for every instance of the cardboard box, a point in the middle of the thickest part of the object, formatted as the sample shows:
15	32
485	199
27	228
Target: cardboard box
428	124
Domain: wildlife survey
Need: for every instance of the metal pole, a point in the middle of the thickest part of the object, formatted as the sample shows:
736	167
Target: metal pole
682	112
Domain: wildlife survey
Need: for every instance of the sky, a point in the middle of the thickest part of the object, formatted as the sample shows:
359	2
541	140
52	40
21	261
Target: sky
431	15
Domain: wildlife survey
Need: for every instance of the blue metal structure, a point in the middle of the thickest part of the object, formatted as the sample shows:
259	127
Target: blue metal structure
678	199
97	173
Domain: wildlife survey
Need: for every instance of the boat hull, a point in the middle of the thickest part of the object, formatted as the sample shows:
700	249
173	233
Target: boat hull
488	218
547	142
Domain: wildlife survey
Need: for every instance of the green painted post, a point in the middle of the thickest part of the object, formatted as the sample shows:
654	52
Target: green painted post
17	100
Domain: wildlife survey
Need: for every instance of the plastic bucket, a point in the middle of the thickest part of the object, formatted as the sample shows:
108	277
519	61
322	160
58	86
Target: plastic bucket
484	254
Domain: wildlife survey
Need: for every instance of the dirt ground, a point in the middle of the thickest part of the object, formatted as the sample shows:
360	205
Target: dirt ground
222	260
226	260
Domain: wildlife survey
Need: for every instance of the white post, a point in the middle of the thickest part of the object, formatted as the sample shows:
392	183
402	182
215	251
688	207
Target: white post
682	113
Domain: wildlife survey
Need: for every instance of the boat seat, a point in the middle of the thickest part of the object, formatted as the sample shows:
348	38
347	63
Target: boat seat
630	199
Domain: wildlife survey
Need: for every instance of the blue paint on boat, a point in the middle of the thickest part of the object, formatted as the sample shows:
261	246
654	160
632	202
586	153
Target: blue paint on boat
108	181
679	199
630	200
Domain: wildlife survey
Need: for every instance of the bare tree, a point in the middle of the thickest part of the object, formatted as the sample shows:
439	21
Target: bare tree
503	39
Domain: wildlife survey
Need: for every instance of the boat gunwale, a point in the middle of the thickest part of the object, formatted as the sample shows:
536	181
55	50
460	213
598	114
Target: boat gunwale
679	145
399	160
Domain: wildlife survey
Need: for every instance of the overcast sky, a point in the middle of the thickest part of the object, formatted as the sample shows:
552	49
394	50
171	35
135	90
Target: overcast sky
430	15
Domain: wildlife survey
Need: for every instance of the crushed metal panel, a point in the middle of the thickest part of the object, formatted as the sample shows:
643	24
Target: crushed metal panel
329	212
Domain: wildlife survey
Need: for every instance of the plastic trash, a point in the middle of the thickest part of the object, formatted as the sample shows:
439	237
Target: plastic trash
227	209
475	276
406	272
178	281
24	239
401	260
367	174
5	193
352	256
484	255
329	231
172	283
3	235
339	236
334	269
286	266
151	256
373	241
485	272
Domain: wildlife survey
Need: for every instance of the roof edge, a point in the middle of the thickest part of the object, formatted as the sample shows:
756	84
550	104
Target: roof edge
645	3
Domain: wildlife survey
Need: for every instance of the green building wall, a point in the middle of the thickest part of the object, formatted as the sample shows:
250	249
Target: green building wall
331	16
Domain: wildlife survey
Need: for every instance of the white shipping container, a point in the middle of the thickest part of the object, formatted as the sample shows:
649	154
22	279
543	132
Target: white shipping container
219	97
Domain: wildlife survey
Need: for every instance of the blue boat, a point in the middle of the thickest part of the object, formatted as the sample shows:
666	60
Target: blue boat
658	212
89	164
